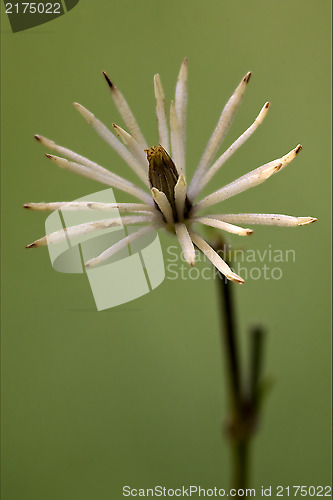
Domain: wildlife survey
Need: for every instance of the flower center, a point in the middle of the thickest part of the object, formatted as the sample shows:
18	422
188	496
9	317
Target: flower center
163	176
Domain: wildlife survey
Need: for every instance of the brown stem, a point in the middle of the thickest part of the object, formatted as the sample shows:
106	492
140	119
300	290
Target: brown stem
239	440
230	342
244	403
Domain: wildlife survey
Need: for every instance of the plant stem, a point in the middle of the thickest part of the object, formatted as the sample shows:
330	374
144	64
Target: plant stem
244	403
240	464
230	341
239	442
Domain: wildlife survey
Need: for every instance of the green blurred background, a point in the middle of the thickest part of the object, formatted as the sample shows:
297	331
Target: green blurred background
136	394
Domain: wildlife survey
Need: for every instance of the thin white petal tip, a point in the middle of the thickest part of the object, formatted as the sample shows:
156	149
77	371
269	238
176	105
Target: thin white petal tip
121	133
291	155
108	81
43	140
247	77
117	129
181	180
87	115
42	242
235	278
190	261
91	263
302	221
154	192
263	113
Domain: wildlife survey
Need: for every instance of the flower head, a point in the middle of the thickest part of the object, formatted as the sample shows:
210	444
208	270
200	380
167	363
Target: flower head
167	200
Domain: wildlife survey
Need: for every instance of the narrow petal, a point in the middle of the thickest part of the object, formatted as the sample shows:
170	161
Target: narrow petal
90	205
177	143
109	252
181	101
134	146
88	227
95	172
180	196
267	219
73	156
112	140
245	182
163	131
214	222
186	243
126	112
110	179
286	159
163	204
229	152
214	257
220	130
251	179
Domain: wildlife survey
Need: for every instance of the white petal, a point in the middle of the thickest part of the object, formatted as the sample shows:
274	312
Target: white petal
181	101
286	159
267	219
186	243
112	140
177	143
73	156
135	148
163	204
214	257
220	130
180	196
251	179
245	182
88	227
163	131
110	179
214	222
90	205
229	152
109	252
126	112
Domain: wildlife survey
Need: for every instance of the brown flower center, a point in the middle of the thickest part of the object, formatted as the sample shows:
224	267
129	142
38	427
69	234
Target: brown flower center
163	176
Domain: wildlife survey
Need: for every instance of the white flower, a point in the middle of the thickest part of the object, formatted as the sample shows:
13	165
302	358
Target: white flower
167	200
